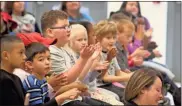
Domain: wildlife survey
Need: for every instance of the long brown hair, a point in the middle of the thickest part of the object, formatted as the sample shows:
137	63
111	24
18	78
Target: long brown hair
8	7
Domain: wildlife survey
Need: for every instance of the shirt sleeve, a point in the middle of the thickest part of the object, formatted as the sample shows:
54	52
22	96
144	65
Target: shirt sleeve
58	63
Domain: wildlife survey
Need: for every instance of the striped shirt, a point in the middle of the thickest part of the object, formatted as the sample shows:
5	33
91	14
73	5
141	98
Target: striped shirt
38	90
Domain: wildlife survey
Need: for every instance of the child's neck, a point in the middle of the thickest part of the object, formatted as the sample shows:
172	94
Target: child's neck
7	67
38	76
59	45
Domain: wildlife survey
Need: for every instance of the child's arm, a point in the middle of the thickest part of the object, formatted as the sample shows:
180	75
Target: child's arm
70	94
119	75
90	62
58	100
80	86
112	78
75	71
59	63
85	69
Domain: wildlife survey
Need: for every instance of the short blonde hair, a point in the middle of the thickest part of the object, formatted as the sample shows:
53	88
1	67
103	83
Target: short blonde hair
123	24
75	28
103	28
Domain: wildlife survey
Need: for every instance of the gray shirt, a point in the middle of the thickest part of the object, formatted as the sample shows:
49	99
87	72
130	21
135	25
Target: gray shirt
121	57
61	60
113	67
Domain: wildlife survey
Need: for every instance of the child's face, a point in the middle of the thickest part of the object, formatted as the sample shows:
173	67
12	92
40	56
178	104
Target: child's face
108	42
41	63
16	57
124	38
79	41
61	31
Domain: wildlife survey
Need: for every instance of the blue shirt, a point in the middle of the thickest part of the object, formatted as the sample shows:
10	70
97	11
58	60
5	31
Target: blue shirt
83	17
38	90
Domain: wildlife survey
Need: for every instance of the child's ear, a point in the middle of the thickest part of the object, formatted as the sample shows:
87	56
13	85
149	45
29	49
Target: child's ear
5	55
29	65
49	32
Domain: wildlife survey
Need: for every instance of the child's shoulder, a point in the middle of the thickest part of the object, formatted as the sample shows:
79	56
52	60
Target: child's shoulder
6	77
32	82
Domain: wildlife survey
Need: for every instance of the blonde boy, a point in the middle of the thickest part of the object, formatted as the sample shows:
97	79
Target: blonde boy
106	33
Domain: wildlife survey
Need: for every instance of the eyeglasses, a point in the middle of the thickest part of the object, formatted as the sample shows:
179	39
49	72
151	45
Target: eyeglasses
63	27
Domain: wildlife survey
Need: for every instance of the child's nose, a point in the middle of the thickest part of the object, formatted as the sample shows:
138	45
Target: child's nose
24	57
47	62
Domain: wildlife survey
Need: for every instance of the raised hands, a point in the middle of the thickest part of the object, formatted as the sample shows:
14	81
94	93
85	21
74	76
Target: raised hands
141	52
138	61
111	54
58	80
149	32
140	29
97	51
87	52
97	65
157	53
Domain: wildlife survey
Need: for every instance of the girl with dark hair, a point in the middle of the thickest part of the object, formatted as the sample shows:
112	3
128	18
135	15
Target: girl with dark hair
73	10
26	21
134	9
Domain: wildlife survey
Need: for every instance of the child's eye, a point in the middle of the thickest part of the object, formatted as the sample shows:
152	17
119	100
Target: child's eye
79	39
158	90
108	37
41	59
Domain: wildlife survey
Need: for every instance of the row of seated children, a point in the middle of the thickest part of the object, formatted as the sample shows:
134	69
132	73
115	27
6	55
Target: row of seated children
72	60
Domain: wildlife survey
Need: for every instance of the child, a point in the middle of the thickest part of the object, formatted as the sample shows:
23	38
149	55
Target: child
78	39
89	28
38	61
12	49
55	24
11	89
125	30
105	33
